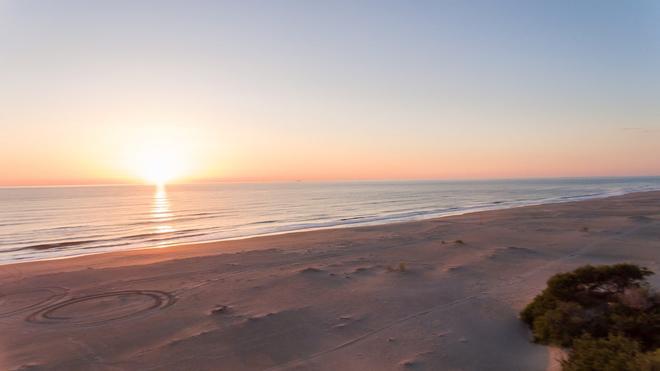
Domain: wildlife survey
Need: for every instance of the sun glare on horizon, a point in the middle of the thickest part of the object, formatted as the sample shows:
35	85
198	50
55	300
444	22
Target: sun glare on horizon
158	164
157	154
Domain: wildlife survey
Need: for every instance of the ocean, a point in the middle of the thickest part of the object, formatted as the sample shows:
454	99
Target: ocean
56	222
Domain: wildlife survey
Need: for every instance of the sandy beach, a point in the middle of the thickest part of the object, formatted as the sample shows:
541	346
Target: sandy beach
439	294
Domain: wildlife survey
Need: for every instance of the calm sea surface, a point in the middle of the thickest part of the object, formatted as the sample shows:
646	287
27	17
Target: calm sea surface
44	223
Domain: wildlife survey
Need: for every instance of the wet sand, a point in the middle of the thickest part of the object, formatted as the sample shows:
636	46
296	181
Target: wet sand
440	294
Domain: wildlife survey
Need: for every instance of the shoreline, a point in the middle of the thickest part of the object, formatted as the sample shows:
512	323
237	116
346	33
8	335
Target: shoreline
440	293
383	222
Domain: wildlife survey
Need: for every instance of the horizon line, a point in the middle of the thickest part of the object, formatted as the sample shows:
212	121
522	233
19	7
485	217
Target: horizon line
343	180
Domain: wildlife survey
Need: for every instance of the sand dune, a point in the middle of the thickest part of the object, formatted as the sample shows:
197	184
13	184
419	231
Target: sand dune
390	297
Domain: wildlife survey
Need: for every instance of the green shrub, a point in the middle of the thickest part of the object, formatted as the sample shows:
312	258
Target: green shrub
642	325
539	306
589	300
653	360
560	325
607	314
592	285
614	353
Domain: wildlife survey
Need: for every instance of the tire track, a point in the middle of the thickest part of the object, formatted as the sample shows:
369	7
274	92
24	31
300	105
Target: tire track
155	300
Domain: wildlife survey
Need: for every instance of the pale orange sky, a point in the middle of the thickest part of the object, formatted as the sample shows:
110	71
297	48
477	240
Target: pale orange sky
230	91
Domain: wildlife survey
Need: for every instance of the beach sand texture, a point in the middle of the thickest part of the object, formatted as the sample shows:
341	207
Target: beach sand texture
440	294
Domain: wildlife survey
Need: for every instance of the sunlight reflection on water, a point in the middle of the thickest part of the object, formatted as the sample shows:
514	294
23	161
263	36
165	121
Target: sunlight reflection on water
160	211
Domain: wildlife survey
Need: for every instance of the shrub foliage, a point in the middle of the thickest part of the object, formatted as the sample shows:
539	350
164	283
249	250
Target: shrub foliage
607	314
614	353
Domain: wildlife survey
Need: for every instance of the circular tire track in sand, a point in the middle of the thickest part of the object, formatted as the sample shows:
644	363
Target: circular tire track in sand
102	308
21	301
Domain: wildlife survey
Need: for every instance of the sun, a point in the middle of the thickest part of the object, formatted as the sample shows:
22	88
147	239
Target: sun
158	153
158	164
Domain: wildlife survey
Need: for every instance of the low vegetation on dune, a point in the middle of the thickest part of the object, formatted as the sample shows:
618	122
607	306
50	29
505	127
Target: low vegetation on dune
608	318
